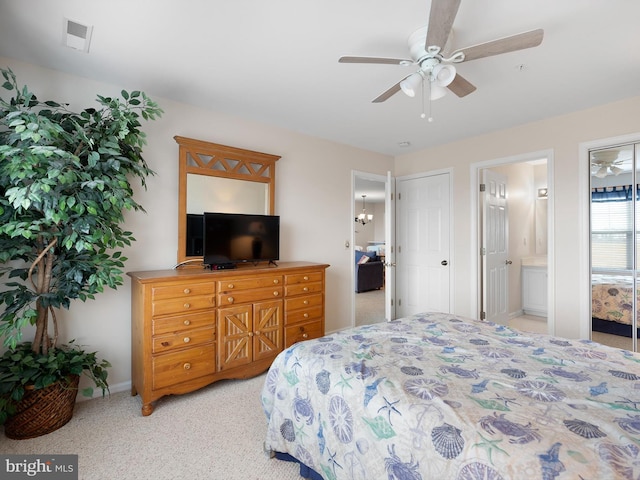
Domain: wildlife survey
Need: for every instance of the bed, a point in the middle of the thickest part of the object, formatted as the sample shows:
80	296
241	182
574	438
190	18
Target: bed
438	396
611	304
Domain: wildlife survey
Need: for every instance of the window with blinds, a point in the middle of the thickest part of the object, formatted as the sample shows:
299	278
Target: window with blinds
612	235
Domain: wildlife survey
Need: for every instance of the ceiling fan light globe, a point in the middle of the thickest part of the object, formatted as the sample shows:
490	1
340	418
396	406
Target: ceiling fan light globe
437	91
444	74
411	84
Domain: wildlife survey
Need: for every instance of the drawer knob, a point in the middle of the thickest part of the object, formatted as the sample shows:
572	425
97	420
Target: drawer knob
257	332
187	291
230	285
186	339
305	335
186	305
276	281
305	289
187	322
306	315
186	366
275	294
306	302
251	334
306	278
230	299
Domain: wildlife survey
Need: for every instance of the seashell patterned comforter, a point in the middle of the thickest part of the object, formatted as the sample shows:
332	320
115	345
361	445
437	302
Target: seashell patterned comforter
437	396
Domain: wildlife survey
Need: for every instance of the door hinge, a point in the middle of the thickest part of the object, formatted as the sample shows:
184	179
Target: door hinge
483	187
483	315
392	197
399	249
391	249
392	302
399	302
483	251
399	196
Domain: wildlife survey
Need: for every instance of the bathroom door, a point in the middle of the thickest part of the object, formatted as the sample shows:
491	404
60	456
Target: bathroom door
495	247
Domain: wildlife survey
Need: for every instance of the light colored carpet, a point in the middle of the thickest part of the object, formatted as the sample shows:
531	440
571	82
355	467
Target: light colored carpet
369	307
216	433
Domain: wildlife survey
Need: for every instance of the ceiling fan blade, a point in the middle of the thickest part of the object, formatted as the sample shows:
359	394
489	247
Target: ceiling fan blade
377	60
388	93
461	86
503	45
441	17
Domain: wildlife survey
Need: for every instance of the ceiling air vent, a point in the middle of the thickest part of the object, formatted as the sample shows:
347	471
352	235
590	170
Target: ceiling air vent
76	36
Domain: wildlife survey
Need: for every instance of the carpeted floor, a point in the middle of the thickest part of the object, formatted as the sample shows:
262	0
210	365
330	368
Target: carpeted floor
370	307
216	433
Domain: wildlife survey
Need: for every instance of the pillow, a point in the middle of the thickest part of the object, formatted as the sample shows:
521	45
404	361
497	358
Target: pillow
363	259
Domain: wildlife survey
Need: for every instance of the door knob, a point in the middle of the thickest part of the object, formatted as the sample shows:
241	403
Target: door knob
508	262
444	263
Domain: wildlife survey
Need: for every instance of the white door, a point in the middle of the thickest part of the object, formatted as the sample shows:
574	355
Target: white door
422	244
495	247
390	254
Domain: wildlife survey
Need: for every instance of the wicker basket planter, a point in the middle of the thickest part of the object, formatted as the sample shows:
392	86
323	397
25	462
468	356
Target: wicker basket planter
43	411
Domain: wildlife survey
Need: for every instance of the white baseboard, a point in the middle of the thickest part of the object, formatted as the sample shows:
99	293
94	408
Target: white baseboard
97	393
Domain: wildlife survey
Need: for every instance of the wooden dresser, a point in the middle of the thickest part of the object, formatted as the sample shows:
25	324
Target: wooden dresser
192	327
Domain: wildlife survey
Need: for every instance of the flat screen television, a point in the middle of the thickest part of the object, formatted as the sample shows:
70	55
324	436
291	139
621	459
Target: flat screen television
232	238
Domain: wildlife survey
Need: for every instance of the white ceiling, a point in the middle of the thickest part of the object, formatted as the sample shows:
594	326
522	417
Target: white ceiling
277	61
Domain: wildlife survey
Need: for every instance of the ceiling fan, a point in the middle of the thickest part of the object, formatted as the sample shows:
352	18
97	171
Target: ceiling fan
426	48
605	161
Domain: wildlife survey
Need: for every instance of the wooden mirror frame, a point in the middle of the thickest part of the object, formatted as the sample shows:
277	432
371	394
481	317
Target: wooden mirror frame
214	160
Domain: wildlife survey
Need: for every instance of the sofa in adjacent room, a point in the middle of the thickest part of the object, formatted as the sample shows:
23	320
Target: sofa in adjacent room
369	271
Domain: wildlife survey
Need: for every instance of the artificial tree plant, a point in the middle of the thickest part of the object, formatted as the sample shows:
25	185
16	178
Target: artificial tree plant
65	182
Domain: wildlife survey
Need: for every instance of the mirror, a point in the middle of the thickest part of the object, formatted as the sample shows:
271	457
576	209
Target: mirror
219	178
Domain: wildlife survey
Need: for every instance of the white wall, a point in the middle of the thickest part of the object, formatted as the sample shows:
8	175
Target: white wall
313	199
563	136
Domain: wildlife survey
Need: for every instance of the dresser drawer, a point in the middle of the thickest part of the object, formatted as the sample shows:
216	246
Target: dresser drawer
164	325
182	291
303	288
182	305
172	341
231	285
294	278
302	315
245	296
301	332
303	302
177	367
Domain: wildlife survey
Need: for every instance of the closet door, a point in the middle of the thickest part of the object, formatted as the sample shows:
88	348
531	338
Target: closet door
615	244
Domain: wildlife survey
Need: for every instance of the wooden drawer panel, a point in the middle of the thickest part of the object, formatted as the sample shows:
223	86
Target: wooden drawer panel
177	367
248	283
164	325
302	288
182	305
303	302
162	292
245	296
183	339
294	278
302	315
301	332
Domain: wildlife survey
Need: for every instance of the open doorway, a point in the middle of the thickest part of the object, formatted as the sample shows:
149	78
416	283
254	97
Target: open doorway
368	248
514	258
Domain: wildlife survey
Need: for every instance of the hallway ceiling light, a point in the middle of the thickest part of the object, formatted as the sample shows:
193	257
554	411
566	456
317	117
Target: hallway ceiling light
364	218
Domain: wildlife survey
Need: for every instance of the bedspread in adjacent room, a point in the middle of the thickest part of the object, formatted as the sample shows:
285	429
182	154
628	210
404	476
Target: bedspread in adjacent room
612	298
436	396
